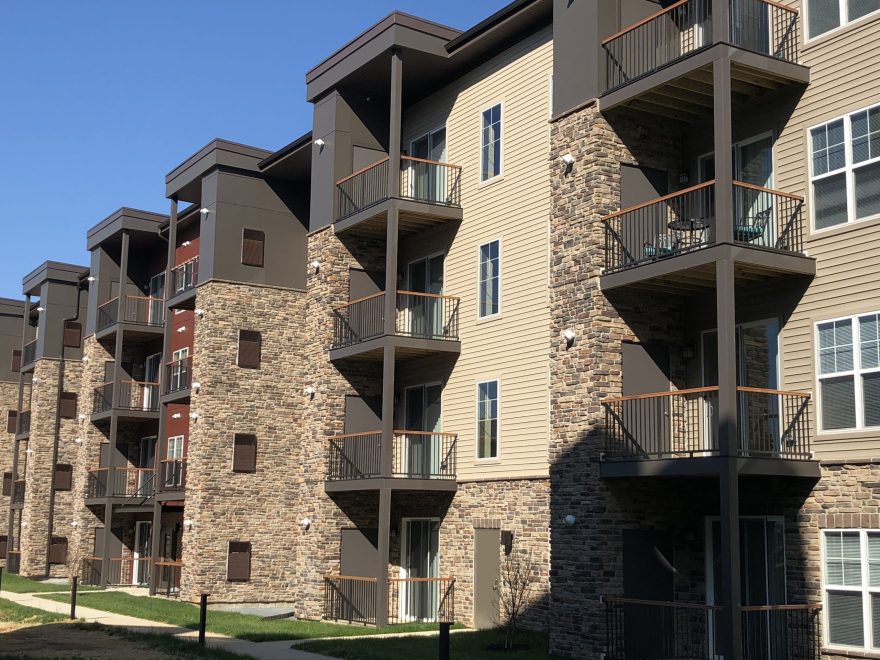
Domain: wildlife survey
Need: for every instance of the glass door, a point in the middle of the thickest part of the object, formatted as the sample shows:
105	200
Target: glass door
140	569
419	563
146	463
422	417
425	312
427	179
750	25
157	299
151	379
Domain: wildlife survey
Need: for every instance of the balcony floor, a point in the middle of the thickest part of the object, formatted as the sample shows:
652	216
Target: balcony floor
406	348
707	466
124	415
413	217
393	483
136	331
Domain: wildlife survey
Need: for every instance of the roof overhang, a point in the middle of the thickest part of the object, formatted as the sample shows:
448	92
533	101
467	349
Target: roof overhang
125	218
292	162
54	271
11	307
184	181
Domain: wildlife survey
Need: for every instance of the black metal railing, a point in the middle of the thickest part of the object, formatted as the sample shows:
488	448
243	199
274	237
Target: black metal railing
421	599
138	395
354	456
178	375
173	474
415	455
24	422
185	276
422	180
30	353
658	630
781	631
168	574
140	310
351	599
90	571
123	482
359	321
129	571
102	398
767	218
686	26
13	561
774	423
18	488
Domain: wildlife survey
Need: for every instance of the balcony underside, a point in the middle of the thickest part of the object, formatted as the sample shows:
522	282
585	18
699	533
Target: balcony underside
183	300
707	466
134	331
123	504
413	217
170	497
22	437
393	483
694	272
683	90
126	415
180	396
406	348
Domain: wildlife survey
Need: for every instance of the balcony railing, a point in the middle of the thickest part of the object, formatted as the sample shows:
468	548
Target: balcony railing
422	180
129	572
168	577
123	482
24	422
415	455
13	561
178	375
30	353
18	492
133	395
185	276
684	424
173	474
353	599
686	26
420	315
685	221
674	630
140	310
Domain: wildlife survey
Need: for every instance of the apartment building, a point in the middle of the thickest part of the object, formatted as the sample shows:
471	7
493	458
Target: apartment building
11	317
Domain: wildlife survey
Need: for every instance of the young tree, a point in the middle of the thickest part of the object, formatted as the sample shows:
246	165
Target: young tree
517	574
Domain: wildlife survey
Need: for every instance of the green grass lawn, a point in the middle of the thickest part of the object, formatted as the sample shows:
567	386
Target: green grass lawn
14	613
19	585
470	644
241	626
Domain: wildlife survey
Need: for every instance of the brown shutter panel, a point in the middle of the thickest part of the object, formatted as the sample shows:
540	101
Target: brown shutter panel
238	563
252	243
72	334
15	362
63	476
11	421
7	486
3	546
249	349
67	405
58	550
244	453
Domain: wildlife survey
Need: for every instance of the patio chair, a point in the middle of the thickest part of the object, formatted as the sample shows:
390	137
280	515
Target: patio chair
751	228
665	245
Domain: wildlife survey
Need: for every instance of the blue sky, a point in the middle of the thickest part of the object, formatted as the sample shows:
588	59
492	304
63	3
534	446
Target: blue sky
99	99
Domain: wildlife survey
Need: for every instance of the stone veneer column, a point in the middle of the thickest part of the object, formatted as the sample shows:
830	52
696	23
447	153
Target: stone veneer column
8	401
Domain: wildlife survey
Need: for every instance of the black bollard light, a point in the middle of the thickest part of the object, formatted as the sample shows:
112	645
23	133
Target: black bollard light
73	597
203	618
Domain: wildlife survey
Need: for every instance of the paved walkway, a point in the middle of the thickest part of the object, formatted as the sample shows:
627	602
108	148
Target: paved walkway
263	650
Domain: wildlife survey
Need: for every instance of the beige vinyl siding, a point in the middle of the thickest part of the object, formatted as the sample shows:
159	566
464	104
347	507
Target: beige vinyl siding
845	77
514	208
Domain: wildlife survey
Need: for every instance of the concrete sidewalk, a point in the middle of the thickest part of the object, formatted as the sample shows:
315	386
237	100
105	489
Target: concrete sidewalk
279	650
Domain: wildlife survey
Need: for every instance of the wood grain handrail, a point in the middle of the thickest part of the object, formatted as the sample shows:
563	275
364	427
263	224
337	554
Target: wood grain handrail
651	202
430	162
354	435
661	603
138	382
123	469
33	341
657	395
185	263
173	460
352	578
436	579
763	390
427	295
127	297
779	5
362	170
183	359
781	608
360	300
751	186
426	433
647	19
112	300
169	563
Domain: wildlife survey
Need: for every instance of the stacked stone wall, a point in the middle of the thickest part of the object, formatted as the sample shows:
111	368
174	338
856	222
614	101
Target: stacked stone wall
8	403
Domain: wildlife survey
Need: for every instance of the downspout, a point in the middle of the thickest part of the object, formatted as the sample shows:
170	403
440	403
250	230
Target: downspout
64	322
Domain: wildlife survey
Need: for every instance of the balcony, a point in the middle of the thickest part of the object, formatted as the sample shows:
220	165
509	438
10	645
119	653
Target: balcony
168	577
18	492
137	400
142	311
120	572
424	323
676	433
184	279
125	482
429	193
172	475
24	424
29	355
420	459
672	630
649	242
178	379
666	57
354	599
13	561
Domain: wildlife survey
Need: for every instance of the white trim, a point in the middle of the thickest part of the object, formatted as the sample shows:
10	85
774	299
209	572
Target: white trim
745	141
842	14
500	175
136	559
497	457
404	538
480	247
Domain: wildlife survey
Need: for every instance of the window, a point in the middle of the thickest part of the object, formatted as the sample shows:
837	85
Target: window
238	561
252	244
58	550
180	367
7	484
63	476
490	279
244	452
487	419
852	588
845	169
849	372
250	344
15	362
490	143
11	421
174	461
826	15
67	405
72	337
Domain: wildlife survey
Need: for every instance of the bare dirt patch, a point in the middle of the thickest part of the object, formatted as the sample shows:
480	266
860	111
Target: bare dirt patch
61	640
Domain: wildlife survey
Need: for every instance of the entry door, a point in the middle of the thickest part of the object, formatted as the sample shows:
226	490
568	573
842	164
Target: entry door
151	375
424	314
419	598
427	181
140	569
762	582
146	461
157	298
487	577
648	575
422	415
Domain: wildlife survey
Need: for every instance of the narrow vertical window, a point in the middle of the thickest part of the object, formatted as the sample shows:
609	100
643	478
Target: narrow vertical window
238	561
244	452
487	419
490	141
250	348
252	247
490	279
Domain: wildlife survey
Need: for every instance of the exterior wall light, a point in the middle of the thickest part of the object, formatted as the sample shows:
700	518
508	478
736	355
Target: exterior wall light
73	523
568	161
91	278
204	211
569	336
200	312
82	417
175	416
196	387
85	358
316	266
194	416
305	523
78	441
188	523
28	451
569	520
41	309
310	392
319	143
182	329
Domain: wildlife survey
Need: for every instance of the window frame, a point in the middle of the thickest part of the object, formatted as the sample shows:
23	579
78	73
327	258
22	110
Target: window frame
261	241
865	589
842	14
856	372
500	175
497	457
849	168
497	314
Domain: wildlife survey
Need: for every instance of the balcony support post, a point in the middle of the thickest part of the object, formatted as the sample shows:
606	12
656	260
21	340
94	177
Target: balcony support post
16	444
728	482
394	123
723	149
108	533
721	22
386	458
